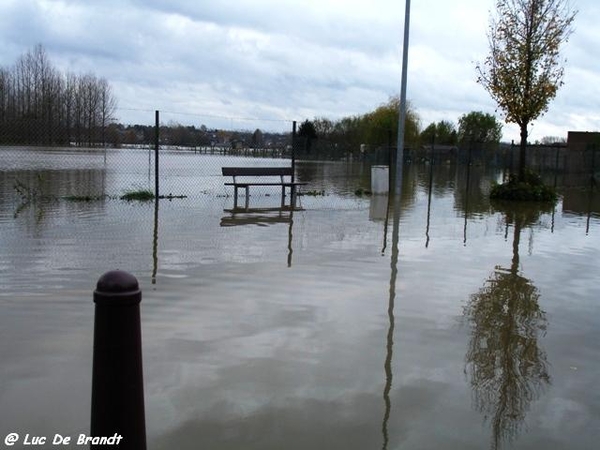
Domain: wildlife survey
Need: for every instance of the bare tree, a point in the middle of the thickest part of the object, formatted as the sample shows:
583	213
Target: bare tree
108	106
40	105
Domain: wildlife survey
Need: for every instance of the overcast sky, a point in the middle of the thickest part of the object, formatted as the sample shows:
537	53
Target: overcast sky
247	64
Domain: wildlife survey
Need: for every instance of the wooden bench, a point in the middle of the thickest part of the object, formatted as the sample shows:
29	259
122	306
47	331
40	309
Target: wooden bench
255	176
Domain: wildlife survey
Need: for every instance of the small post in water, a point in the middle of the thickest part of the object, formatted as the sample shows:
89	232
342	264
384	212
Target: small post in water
117	375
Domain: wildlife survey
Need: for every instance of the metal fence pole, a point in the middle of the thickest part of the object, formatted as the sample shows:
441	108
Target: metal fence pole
293	151
117	375
156	145
402	112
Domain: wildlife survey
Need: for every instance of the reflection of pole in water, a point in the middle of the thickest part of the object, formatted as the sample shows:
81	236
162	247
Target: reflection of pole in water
390	335
155	243
590	194
385	224
290	236
467	198
589	213
429	198
555	184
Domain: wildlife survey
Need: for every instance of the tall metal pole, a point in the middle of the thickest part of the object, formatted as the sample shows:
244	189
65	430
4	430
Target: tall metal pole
402	112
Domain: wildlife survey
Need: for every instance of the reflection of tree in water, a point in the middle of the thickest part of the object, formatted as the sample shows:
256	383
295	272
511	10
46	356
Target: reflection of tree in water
506	367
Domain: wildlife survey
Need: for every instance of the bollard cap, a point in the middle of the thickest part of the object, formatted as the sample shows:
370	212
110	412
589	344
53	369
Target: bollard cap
117	287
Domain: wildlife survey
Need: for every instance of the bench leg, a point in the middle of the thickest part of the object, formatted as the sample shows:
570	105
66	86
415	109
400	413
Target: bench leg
247	196
293	196
235	197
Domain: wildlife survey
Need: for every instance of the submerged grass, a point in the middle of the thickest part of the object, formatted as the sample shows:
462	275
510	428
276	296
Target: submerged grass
313	193
141	195
360	192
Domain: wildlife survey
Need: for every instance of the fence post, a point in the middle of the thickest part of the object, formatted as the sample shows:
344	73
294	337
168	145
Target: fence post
117	375
156	145
293	151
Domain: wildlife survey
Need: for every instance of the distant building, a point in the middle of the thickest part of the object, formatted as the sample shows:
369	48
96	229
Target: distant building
582	165
583	140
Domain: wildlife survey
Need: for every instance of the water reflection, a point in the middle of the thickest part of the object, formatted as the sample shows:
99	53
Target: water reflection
37	189
506	366
471	190
155	243
429	189
290	238
390	334
264	217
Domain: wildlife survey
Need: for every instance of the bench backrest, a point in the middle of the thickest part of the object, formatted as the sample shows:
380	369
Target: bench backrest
256	171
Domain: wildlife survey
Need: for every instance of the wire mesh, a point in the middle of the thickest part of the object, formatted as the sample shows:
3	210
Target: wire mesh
121	162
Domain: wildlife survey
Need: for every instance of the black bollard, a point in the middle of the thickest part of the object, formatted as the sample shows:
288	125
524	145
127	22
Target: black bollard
117	378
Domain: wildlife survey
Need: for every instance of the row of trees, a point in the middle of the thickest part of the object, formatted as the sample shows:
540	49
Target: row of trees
176	134
379	128
522	73
40	105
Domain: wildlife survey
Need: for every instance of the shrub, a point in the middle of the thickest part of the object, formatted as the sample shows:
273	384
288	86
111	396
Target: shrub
531	189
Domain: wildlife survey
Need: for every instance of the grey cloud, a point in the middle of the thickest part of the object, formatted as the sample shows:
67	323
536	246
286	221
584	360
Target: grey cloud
287	59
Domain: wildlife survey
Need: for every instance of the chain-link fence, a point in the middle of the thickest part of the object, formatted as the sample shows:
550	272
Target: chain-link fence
179	161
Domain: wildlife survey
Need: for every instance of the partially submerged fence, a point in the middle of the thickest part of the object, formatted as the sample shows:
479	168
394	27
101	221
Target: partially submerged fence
176	161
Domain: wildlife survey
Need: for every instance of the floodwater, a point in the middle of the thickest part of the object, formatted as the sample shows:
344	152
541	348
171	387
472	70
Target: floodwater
439	322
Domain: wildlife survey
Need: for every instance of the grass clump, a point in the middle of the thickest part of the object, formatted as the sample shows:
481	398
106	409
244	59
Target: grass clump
360	192
141	195
171	196
530	189
313	193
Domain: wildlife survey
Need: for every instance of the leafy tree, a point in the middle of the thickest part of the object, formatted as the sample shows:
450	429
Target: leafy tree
381	125
523	70
376	128
349	132
323	127
443	132
257	138
477	127
308	132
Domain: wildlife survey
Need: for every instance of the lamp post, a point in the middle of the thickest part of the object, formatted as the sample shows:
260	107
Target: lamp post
402	112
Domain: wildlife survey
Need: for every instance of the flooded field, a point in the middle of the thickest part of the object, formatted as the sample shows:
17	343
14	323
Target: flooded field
434	321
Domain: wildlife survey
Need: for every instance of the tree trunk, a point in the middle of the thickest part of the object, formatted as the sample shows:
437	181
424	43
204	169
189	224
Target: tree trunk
523	152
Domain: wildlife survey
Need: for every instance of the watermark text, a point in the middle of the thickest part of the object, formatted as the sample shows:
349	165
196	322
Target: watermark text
30	439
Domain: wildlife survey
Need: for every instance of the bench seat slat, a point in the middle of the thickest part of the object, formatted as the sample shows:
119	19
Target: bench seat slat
258	183
256	171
